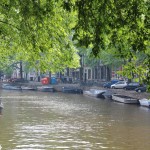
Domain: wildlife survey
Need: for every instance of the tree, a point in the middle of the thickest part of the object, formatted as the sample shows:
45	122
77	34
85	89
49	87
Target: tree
121	26
39	32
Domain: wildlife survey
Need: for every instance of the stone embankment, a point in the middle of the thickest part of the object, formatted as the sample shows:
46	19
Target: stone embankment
130	93
58	87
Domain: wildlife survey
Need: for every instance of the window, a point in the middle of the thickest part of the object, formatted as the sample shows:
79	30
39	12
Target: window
89	73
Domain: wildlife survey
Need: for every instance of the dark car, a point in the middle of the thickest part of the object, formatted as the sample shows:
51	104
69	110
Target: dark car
132	86
108	84
141	89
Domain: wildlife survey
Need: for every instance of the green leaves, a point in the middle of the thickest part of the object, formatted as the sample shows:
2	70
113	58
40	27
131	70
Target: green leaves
120	30
38	31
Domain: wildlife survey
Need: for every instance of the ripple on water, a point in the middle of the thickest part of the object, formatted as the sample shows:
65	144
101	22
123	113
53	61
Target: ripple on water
53	135
47	121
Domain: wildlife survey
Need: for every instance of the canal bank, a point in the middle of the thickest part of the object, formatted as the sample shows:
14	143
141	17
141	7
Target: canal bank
58	88
131	93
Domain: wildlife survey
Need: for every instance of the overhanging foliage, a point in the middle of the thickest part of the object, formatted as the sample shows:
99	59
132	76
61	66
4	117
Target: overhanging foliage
38	31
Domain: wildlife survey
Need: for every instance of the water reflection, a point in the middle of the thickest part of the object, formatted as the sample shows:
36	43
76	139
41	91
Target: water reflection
45	121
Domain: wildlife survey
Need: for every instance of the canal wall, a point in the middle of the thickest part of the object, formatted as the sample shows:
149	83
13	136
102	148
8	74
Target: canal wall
58	88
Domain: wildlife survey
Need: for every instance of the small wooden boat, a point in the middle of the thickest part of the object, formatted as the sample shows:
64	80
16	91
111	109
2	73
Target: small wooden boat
46	89
145	102
11	87
28	88
73	90
95	93
124	99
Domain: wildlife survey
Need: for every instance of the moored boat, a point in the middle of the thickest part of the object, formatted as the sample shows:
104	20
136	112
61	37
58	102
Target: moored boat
11	87
108	95
29	88
73	90
145	102
124	99
1	107
94	93
46	88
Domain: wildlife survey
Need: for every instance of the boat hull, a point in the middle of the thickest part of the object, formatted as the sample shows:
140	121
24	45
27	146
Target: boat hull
108	95
145	102
124	99
95	93
72	90
28	88
11	87
1	107
46	89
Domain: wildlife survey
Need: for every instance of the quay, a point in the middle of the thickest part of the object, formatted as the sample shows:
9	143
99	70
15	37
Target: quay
58	87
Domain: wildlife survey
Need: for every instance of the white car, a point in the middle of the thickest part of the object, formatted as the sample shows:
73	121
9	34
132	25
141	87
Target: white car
119	85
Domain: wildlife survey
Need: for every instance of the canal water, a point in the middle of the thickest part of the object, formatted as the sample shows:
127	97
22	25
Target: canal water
58	121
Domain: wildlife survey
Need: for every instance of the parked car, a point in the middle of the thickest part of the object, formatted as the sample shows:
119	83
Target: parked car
108	84
119	85
132	86
141	89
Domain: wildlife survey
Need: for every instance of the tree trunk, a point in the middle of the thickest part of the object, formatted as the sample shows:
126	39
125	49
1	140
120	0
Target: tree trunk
21	71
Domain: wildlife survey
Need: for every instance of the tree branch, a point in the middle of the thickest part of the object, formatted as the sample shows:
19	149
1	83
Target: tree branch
10	25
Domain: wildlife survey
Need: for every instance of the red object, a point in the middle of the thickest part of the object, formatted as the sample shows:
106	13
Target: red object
45	80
